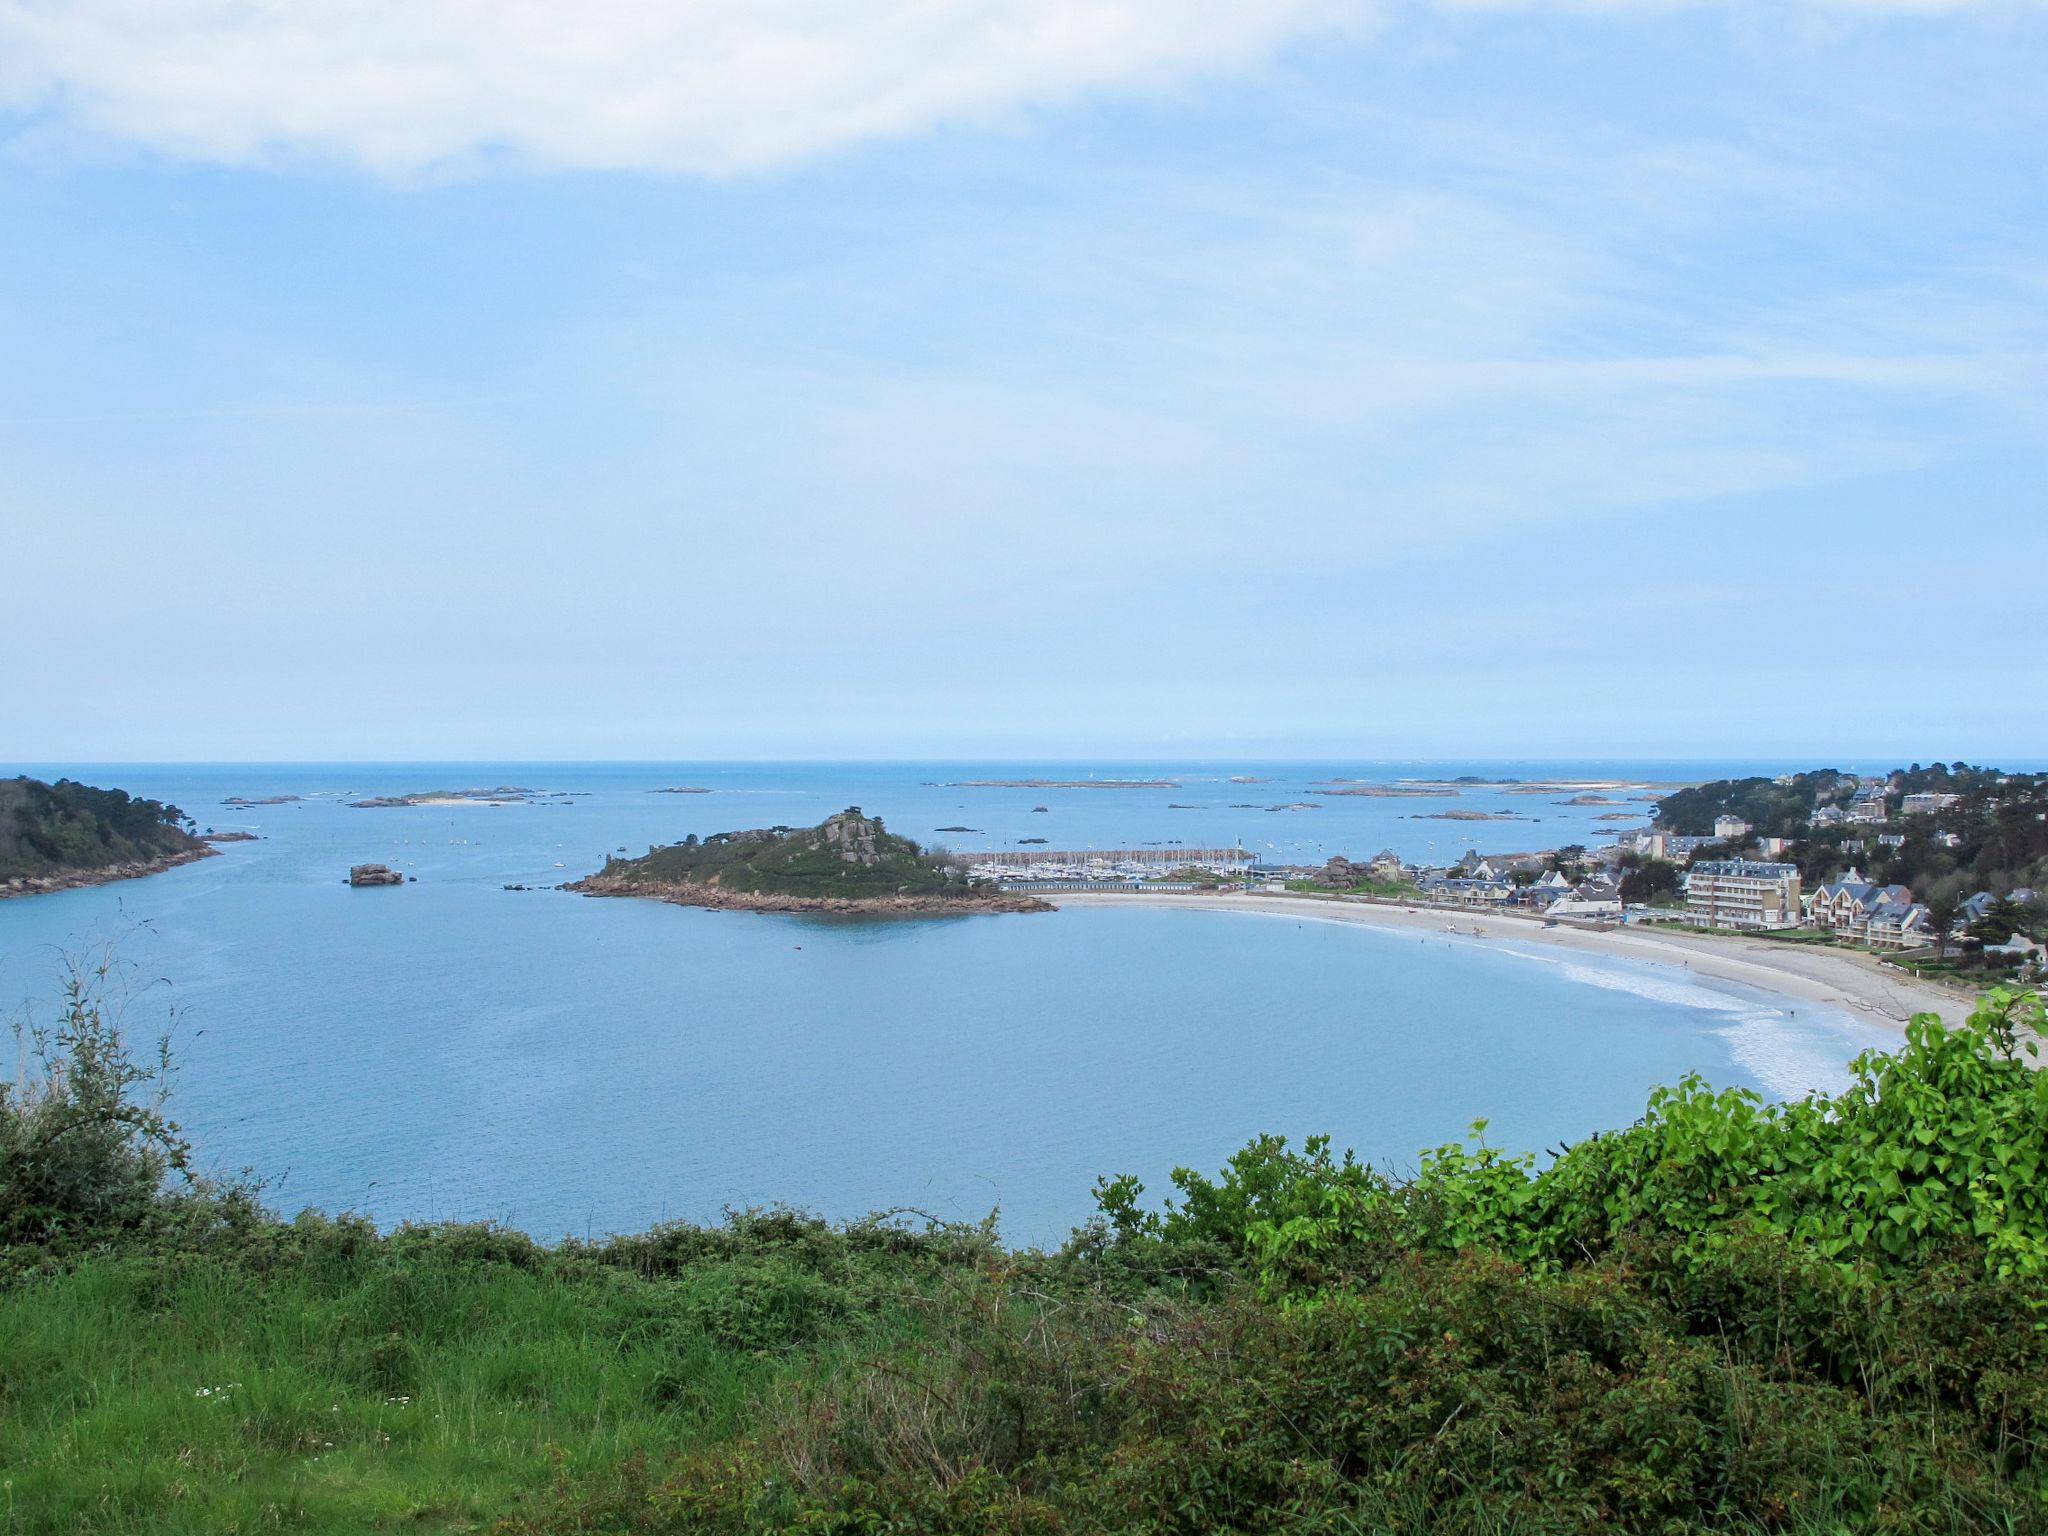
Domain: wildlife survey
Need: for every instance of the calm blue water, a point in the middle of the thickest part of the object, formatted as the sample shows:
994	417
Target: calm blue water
453	1049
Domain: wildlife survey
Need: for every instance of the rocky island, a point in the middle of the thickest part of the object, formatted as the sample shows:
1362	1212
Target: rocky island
504	794
54	837
360	875
1380	791
848	864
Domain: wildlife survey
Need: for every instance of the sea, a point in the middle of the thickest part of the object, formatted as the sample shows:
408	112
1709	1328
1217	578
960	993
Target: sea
451	1049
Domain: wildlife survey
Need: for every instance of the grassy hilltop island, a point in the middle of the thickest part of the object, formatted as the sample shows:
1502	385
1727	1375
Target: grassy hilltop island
848	863
56	836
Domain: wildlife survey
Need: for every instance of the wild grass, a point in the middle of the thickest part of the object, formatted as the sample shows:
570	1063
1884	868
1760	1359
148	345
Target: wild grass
333	1380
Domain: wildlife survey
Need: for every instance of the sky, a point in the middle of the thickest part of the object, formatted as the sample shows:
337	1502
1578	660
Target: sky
390	379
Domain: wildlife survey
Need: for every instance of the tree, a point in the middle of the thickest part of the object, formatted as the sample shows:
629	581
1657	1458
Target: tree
1569	861
1941	916
1649	880
2001	920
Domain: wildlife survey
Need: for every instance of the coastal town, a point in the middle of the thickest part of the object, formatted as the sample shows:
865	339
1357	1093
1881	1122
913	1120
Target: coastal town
1938	868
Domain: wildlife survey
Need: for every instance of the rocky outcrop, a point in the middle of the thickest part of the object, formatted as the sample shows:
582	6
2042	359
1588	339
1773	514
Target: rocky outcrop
1340	874
374	874
227	837
75	879
853	837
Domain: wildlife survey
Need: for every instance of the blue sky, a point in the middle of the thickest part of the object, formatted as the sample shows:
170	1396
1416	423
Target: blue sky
1065	378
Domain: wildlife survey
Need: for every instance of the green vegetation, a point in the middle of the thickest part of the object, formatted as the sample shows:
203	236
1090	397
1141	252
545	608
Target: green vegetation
1771	808
1651	882
1822	1317
1363	886
67	827
849	856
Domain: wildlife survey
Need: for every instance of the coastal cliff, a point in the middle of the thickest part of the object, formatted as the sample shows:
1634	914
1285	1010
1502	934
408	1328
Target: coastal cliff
849	864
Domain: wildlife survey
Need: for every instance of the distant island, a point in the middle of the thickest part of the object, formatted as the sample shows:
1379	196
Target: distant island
848	864
57	836
1386	791
240	801
1066	784
681	789
504	794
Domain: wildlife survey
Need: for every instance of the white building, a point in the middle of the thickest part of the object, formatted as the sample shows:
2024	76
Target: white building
1742	893
1730	829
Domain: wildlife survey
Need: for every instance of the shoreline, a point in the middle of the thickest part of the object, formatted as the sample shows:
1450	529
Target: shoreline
79	879
1852	983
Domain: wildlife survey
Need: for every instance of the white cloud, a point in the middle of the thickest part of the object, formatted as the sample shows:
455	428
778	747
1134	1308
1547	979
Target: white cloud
700	86
708	86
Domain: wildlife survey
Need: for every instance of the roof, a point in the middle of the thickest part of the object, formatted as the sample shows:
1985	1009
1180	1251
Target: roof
1746	869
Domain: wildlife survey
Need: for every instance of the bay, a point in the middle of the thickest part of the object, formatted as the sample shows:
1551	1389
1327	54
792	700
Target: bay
450	1049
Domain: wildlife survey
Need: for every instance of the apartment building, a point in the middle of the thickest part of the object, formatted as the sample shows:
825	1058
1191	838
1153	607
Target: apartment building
1742	893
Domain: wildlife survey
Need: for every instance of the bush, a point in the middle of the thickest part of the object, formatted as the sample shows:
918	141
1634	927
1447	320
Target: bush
85	1146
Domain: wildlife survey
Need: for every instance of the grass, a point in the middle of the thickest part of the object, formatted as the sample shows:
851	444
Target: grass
1391	889
349	1383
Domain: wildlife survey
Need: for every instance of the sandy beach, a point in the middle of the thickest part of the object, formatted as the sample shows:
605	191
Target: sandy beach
1836	978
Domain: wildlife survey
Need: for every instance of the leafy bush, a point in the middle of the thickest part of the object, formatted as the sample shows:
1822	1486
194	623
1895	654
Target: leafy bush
85	1145
1941	1145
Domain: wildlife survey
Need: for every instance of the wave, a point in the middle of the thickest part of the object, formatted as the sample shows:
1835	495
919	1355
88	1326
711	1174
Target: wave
1787	1055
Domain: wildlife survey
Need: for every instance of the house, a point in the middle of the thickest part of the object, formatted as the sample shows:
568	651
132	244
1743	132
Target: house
1742	893
1891	839
1851	905
1773	846
2022	951
1544	890
1868	811
1974	908
1948	839
1730	829
1467	891
1828	816
1928	803
1897	925
1591	900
